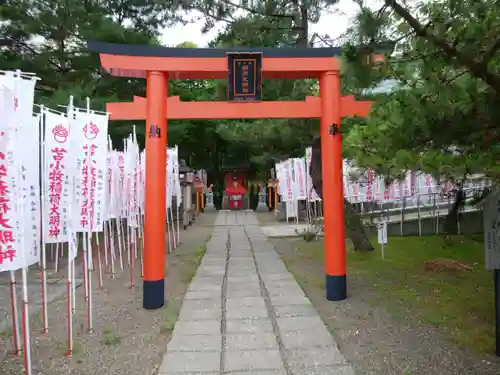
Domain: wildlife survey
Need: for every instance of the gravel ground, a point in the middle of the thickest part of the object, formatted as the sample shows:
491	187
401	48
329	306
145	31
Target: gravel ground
373	340
127	339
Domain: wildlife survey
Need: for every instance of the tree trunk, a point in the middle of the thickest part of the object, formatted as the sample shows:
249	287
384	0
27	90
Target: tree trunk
354	226
355	230
451	222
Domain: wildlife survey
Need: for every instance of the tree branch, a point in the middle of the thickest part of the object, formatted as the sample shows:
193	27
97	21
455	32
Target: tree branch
450	52
255	12
488	55
22	44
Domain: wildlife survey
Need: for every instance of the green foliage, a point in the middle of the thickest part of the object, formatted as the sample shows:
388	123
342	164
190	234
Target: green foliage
289	20
262	142
443	119
49	38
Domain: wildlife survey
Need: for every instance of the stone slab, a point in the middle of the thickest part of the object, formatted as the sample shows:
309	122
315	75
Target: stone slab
195	343
251	341
300	323
212	270
269	264
324	370
249	326
203	273
263	270
252	360
238	254
306	339
202	294
233	273
245	302
241	261
277	284
191	304
285	291
211	281
246	312
285	276
189	373
202	327
261	372
190	362
220	255
241	293
269	256
243	286
240	269
215	269
287	311
250	344
197	286
196	314
210	261
242	278
314	357
289	300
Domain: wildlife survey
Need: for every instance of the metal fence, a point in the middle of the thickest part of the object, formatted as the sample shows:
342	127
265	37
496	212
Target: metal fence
417	208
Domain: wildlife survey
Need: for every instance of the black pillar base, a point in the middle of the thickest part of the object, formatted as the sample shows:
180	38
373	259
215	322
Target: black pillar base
153	294
336	288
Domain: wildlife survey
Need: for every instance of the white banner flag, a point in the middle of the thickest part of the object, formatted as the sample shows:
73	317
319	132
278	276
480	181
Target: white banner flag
30	179
57	176
17	104
89	139
299	170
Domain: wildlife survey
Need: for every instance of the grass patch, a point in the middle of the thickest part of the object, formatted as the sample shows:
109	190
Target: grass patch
77	348
170	317
193	260
190	261
6	334
111	338
460	303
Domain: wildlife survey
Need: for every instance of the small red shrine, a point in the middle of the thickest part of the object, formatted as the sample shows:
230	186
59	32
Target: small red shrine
235	184
235	189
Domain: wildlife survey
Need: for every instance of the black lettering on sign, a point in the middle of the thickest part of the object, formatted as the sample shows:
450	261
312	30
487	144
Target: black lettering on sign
154	131
245	76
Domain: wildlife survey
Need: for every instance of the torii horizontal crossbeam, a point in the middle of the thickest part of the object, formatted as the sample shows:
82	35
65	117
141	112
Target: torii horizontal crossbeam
178	110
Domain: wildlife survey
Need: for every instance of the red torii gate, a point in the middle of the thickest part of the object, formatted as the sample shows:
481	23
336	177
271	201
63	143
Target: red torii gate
244	70
177	110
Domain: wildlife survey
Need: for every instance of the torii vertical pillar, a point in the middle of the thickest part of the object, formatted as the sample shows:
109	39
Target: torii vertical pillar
155	199
333	196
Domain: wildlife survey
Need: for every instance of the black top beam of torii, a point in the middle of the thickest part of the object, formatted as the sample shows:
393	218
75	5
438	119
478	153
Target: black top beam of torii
148	50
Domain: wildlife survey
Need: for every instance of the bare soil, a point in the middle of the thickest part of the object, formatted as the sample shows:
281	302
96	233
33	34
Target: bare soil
372	338
126	339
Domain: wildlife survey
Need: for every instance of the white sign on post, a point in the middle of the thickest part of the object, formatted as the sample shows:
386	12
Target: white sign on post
382	236
382	233
491	213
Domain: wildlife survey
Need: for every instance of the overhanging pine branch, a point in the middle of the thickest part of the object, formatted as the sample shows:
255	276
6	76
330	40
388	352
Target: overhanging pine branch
450	52
488	55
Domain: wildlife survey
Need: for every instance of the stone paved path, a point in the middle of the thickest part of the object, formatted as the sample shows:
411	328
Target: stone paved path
245	313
